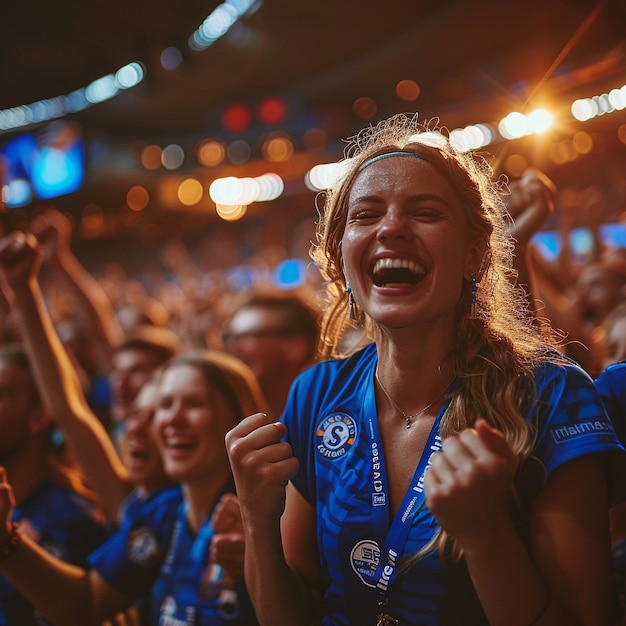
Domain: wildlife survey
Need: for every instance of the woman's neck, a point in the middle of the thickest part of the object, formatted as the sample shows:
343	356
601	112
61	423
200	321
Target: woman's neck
417	345
200	497
412	375
406	354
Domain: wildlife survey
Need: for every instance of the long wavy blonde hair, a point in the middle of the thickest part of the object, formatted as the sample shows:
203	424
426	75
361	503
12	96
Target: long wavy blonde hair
496	350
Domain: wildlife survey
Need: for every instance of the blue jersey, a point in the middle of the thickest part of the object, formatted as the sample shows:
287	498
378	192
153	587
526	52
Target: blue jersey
611	384
332	426
155	554
66	525
130	507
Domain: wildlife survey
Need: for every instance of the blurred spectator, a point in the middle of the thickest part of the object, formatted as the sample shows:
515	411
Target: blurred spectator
614	335
276	335
183	548
138	449
146	312
53	506
576	291
145	348
583	308
86	436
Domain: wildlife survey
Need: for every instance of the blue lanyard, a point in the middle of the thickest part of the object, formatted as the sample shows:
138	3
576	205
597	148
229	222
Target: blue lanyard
386	571
199	549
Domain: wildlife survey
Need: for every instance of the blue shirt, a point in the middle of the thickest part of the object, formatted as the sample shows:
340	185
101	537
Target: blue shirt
611	384
332	425
63	523
156	554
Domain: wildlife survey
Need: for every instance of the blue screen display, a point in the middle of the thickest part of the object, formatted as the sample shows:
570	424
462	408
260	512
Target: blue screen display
44	164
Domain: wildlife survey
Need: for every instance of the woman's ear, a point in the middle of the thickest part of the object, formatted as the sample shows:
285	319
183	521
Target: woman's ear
478	261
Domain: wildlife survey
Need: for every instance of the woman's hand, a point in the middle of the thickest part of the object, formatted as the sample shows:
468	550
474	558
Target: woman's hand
20	258
530	204
262	465
468	483
227	545
53	230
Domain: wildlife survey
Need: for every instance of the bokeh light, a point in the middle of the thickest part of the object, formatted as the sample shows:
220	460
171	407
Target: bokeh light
236	118
172	157
365	107
151	157
583	143
408	90
277	148
211	152
539	121
171	58
243	191
137	198
190	191
516	165
91	221
230	213
272	111
239	151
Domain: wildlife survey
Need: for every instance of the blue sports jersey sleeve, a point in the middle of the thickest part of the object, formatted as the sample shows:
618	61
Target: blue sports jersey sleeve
571	421
611	384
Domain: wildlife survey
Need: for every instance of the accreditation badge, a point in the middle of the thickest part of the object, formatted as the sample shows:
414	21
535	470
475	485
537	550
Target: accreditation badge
364	559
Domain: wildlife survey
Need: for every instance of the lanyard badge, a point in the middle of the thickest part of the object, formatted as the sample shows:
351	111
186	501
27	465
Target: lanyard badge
397	535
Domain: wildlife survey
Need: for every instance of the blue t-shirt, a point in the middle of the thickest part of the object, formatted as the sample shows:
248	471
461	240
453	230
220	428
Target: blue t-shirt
332	425
63	523
155	554
611	384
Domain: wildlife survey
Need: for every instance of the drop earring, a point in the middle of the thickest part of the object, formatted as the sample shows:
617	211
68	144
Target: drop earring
473	302
351	303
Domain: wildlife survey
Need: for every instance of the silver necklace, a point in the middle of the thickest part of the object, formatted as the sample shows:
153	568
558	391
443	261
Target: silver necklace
409	418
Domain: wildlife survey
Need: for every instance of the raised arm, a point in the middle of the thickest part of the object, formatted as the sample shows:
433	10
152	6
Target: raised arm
530	203
283	581
91	305
62	593
56	378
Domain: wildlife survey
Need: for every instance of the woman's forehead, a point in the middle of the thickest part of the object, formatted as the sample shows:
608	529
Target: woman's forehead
399	173
180	374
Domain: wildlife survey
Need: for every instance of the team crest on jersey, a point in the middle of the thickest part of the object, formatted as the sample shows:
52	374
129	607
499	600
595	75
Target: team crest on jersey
142	545
364	559
335	435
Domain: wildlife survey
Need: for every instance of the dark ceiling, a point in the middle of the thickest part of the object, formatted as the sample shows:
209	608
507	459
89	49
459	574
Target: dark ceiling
321	55
474	60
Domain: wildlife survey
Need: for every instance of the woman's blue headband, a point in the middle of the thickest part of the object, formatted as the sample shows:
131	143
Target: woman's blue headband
387	155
